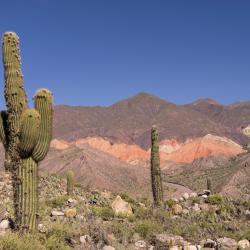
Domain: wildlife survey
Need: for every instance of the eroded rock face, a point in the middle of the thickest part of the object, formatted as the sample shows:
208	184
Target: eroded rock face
121	207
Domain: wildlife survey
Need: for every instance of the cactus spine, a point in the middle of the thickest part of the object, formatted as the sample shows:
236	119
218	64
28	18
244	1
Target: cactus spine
25	133
155	168
70	182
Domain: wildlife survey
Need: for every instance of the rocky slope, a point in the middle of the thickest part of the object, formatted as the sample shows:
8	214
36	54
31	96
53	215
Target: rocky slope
95	220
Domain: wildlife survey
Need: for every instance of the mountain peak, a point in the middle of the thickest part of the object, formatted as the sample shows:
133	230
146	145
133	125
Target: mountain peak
206	101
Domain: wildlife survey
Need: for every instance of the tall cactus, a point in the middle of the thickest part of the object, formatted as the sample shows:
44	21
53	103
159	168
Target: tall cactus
155	168
70	182
25	133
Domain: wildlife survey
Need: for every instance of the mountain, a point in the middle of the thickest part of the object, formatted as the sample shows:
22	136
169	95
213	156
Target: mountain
129	121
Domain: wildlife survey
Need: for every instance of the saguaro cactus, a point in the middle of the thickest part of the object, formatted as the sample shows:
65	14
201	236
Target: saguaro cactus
70	182
25	133
209	184
155	168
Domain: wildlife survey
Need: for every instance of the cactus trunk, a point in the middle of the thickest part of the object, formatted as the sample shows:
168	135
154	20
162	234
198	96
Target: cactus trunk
70	182
25	134
155	169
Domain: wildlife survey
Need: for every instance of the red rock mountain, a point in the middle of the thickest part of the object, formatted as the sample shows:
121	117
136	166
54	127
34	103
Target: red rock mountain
170	150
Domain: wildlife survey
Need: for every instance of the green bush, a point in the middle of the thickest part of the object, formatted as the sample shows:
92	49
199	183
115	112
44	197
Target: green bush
146	228
12	241
103	212
215	199
170	203
54	243
58	201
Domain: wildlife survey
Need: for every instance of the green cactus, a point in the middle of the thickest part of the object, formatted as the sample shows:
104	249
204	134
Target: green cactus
155	168
209	184
25	133
70	182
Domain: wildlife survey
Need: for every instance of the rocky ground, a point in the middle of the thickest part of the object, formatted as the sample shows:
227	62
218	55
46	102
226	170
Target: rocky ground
103	220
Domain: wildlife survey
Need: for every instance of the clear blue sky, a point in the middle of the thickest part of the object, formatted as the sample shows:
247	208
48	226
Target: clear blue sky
98	52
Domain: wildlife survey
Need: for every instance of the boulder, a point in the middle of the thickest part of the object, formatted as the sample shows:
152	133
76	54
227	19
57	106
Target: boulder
70	213
185	196
196	207
108	248
177	209
163	240
243	244
4	224
193	194
57	213
227	244
141	245
41	228
121	207
208	243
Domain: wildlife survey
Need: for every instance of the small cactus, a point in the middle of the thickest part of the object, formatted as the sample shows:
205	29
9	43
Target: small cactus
25	134
156	180
70	182
209	184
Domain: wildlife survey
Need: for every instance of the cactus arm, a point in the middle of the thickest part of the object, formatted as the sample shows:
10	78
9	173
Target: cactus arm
14	92
43	104
28	131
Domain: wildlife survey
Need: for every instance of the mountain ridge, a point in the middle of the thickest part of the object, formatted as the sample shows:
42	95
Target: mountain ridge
130	120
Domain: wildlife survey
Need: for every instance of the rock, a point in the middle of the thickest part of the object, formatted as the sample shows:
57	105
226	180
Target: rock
227	243
174	200
57	213
177	209
243	244
70	213
163	240
247	213
175	248
190	247
80	217
196	208
72	201
86	243
205	207
85	238
4	224
121	207
192	195
185	196
140	245
204	192
108	248
41	228
204	196
208	243
185	211
181	199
